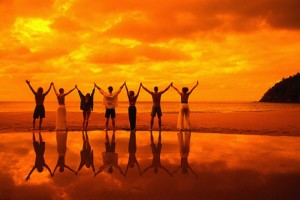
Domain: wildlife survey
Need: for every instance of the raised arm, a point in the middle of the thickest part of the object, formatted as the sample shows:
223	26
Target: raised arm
127	90
137	95
100	90
176	89
28	83
55	90
193	88
166	89
70	91
48	89
146	89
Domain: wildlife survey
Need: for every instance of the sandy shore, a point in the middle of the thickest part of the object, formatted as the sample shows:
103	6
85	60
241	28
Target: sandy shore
285	122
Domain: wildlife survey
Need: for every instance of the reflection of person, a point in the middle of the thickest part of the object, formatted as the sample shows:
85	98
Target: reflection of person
184	149
110	101
61	139
132	150
86	154
156	109
184	112
132	109
61	118
39	149
39	111
86	105
110	157
156	151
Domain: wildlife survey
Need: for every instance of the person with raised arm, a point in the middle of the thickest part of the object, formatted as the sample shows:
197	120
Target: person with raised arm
39	149
110	101
61	117
184	111
86	105
132	109
39	111
156	108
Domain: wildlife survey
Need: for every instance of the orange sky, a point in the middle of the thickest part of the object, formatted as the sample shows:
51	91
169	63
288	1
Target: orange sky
236	49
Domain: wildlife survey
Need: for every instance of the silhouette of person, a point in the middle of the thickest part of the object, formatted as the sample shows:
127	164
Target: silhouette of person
156	108
61	117
184	150
184	111
39	149
132	150
61	139
86	154
39	111
110	101
132	109
110	157
86	105
156	151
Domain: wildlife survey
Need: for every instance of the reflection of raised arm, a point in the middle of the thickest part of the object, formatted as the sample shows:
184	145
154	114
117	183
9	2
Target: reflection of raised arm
166	170
45	165
100	170
48	89
120	170
189	167
28	177
32	90
166	89
176	89
55	169
137	95
193	88
176	170
69	168
146	89
146	169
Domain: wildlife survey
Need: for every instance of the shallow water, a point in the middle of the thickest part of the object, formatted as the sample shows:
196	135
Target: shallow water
225	167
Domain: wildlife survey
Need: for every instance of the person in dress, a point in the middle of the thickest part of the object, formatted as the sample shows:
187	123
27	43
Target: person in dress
183	122
39	111
156	108
132	109
86	105
61	118
110	101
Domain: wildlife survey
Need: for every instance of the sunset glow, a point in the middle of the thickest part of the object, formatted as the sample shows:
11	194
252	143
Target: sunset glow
235	49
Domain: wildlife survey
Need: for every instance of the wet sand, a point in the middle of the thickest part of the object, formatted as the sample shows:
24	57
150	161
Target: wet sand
285	122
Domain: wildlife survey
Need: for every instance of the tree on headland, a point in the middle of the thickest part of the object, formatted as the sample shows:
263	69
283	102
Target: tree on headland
285	91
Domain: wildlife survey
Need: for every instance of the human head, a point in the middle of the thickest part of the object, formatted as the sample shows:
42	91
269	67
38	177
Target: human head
110	88
87	96
40	90
61	90
185	90
40	169
155	88
155	170
110	170
131	93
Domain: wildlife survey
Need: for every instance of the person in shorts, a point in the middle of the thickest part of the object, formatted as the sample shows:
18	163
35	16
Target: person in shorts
39	111
156	108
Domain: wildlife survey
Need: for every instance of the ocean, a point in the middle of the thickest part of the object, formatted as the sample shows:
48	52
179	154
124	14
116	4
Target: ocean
167	106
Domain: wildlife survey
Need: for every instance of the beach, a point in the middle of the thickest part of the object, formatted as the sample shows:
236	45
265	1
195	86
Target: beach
278	122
